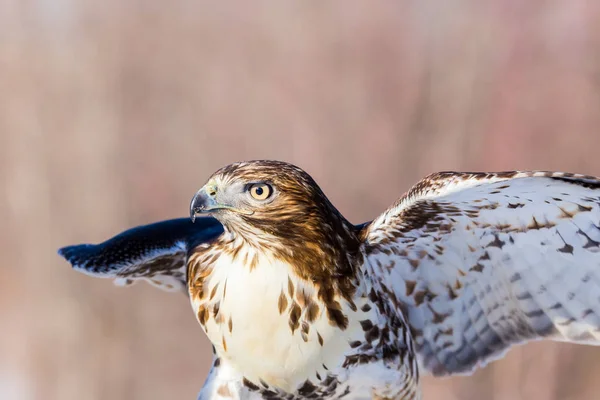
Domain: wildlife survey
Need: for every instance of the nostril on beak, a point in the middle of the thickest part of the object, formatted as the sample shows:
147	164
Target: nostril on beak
211	191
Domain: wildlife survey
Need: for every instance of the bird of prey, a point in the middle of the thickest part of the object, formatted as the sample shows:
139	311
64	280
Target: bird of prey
300	303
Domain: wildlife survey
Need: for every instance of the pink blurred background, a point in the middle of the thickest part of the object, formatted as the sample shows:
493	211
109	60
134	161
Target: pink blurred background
113	113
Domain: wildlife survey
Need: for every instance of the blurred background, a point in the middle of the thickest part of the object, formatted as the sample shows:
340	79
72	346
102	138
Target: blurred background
113	113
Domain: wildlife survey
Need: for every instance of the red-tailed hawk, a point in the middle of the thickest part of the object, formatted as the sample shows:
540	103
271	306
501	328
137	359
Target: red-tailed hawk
300	303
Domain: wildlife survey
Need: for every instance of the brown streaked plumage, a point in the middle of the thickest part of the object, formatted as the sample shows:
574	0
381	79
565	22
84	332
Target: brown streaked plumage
459	269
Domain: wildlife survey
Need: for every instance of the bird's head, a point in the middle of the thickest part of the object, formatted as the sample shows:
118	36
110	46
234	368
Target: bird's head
256	189
273	199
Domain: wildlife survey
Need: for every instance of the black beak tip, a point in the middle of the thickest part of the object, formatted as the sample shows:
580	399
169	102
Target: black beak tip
197	205
193	210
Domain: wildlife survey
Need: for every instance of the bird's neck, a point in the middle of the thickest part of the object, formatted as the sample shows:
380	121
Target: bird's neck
320	246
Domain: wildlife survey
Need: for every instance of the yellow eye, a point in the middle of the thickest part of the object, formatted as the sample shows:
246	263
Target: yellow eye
261	191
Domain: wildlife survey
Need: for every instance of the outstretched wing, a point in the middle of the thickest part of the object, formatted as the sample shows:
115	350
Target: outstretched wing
478	262
156	253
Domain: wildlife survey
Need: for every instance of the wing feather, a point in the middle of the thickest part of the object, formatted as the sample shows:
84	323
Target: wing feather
478	262
156	253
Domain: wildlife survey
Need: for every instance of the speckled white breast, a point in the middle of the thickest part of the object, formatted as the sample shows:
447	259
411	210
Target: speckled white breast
251	327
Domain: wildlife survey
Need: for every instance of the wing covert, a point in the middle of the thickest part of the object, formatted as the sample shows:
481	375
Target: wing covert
478	262
156	252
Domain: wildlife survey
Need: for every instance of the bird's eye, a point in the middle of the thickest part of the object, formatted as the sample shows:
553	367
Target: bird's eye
261	191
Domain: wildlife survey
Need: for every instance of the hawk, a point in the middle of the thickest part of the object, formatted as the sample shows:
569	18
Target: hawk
300	303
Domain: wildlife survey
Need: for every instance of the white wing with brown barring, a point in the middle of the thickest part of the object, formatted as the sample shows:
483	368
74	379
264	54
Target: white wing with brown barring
482	261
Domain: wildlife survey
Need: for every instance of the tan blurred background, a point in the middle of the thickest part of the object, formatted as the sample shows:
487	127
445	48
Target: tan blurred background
113	113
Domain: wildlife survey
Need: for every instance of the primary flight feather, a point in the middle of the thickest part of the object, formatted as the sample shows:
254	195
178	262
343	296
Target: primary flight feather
300	303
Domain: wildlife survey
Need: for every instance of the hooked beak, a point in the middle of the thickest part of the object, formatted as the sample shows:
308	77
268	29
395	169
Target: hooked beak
204	202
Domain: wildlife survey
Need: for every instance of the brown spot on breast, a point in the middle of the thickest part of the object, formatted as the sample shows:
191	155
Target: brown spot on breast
305	327
230	324
235	251
302	298
312	312
336	316
197	291
253	262
202	315
320	339
295	312
224	343
213	292
219	319
282	303
410	287
290	287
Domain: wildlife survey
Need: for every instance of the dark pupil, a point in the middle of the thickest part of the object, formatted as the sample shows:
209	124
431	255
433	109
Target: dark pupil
259	191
